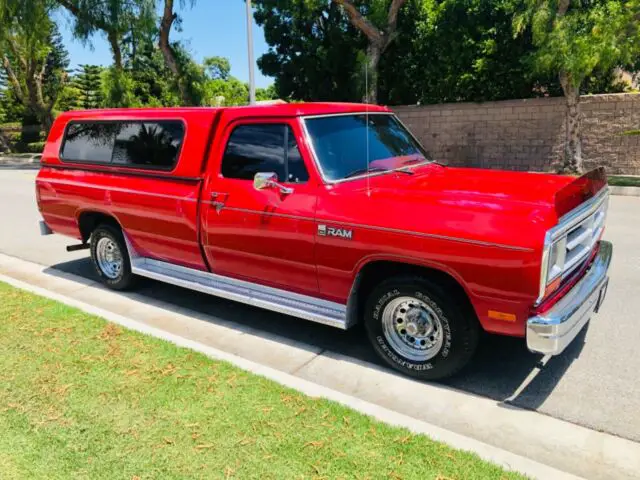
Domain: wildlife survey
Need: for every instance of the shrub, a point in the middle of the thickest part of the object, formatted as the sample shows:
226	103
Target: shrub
34	147
13	137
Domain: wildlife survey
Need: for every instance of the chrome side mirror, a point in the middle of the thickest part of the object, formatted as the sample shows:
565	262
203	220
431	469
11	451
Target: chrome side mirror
264	180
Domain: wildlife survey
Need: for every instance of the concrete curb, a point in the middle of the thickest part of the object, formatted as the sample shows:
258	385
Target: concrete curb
501	457
625	191
491	429
28	162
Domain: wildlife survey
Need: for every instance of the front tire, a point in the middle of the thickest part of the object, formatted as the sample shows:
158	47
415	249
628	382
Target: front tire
110	257
420	329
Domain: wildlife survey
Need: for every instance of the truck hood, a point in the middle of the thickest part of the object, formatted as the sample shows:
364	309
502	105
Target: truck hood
489	185
512	208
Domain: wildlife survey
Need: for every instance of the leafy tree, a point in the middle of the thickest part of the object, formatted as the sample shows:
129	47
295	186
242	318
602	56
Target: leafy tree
268	93
573	40
117	88
68	98
124	23
188	76
117	19
380	33
217	67
459	50
34	60
219	93
88	83
12	109
450	50
152	82
313	50
222	89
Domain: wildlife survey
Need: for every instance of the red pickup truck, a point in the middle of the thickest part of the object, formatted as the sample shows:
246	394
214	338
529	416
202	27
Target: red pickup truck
332	213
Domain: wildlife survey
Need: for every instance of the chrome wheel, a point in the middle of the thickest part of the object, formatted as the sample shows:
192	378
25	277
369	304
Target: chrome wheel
412	328
109	258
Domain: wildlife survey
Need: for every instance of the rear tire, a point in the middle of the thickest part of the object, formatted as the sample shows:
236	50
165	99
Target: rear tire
420	329
110	257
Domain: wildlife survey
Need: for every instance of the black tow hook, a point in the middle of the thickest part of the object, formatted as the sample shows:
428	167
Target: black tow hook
75	248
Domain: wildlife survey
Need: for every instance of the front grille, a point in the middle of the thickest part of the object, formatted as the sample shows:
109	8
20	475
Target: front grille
582	238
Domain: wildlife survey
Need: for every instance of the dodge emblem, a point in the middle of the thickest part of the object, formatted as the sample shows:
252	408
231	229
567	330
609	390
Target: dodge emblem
325	231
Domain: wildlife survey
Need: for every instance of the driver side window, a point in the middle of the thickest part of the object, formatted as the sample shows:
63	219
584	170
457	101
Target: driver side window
266	147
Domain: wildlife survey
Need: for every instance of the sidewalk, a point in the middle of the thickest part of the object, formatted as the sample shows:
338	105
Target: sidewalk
527	441
20	160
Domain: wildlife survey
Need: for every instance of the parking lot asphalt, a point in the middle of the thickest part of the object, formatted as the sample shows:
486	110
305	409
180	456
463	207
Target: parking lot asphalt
594	383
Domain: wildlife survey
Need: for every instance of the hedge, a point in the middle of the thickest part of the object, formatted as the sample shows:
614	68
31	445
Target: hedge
34	147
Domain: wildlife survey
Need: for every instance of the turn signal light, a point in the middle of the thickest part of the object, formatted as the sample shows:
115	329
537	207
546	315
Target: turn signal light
505	317
553	286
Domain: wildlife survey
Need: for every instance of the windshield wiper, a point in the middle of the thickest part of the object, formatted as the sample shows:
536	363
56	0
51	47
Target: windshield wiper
414	161
362	171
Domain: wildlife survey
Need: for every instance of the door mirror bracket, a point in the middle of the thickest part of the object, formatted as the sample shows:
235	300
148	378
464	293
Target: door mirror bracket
263	180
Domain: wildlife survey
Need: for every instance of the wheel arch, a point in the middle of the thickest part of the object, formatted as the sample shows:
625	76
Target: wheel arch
370	273
88	220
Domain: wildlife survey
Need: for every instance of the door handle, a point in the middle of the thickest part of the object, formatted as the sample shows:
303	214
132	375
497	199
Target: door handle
218	200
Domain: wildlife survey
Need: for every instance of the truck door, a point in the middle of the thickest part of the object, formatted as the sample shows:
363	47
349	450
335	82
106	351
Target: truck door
262	235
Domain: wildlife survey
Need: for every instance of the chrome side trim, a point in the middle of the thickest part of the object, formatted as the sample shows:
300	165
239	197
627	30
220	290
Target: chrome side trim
551	332
381	229
281	301
429	235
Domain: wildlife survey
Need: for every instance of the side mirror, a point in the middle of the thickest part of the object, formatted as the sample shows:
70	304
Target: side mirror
264	180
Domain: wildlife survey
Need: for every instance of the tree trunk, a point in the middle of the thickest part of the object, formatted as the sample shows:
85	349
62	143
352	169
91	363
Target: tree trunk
5	147
573	162
42	111
374	53
112	37
168	17
42	108
379	40
46	118
31	97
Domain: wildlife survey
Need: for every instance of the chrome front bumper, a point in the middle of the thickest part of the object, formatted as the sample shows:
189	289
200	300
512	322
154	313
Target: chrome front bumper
550	333
44	228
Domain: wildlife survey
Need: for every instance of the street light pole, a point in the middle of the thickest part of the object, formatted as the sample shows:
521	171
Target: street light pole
252	80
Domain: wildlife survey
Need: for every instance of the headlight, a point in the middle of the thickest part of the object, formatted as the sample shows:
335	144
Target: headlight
557	256
554	256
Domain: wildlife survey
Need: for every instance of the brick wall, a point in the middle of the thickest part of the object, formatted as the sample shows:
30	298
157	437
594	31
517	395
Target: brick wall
528	134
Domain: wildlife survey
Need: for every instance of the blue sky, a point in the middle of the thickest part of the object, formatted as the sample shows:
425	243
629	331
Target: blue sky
210	28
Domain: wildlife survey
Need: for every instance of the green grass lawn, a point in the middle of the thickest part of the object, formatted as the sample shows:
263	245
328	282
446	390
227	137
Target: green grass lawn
83	398
623	181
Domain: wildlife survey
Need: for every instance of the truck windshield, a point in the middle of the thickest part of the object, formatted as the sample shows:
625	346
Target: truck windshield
349	146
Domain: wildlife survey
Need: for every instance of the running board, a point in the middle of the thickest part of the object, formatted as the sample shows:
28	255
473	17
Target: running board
282	301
